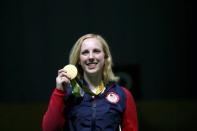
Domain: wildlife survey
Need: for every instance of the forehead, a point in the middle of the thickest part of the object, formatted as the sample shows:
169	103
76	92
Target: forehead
91	43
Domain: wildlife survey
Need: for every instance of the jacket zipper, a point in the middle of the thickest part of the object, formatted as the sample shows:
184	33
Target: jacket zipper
93	115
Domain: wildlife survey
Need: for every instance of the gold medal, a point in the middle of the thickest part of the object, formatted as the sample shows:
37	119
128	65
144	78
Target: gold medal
71	70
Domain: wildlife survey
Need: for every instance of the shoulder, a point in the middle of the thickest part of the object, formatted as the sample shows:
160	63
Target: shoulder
126	94
126	91
130	102
121	90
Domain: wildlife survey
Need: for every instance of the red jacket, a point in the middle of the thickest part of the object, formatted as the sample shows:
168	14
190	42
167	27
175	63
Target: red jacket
55	119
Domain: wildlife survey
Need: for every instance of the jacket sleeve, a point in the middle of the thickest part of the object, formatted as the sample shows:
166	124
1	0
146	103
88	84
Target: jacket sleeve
53	119
129	122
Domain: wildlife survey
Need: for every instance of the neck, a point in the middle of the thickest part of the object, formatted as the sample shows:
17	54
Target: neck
93	80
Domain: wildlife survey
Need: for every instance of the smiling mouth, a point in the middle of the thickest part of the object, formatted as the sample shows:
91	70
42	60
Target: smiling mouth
91	65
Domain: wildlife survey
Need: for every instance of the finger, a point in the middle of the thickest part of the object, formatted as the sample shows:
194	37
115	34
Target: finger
63	75
64	80
60	71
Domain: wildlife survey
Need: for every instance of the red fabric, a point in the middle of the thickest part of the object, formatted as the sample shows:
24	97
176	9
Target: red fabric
129	122
53	119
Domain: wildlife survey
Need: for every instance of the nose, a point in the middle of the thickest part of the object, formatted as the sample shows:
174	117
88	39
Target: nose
91	55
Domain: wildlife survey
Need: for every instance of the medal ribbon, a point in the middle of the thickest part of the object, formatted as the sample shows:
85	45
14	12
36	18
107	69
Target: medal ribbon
76	85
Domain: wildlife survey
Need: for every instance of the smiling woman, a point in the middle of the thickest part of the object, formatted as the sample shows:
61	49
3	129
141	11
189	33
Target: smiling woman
93	100
92	58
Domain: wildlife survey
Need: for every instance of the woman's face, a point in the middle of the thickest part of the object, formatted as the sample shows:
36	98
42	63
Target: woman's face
91	56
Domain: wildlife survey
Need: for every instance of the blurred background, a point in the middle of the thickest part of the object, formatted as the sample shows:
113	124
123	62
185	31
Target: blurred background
151	45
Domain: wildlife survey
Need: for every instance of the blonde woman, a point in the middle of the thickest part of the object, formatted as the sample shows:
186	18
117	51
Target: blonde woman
94	101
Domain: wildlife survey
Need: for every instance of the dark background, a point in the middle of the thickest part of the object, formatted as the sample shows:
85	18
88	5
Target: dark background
151	45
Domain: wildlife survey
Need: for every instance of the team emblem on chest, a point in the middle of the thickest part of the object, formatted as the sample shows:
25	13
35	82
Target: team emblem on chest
112	97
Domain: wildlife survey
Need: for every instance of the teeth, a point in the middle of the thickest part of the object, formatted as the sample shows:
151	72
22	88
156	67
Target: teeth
91	63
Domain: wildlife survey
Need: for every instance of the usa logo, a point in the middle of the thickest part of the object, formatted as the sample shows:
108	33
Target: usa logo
112	97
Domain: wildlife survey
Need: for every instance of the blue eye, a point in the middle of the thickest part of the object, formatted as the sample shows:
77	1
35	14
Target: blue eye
97	51
84	52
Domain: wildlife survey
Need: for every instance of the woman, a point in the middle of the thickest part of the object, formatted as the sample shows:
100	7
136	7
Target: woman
101	104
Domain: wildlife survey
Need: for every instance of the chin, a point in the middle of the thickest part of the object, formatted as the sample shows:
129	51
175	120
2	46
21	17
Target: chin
93	71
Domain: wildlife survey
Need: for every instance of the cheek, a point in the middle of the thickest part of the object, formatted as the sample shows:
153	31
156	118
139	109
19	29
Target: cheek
102	59
81	59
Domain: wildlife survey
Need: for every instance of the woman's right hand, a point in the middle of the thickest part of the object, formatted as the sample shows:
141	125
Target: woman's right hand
62	80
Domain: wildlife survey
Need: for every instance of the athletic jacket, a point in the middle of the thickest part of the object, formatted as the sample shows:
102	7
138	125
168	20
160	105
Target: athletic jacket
109	111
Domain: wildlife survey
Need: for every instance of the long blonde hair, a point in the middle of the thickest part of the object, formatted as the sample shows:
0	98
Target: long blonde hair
108	74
